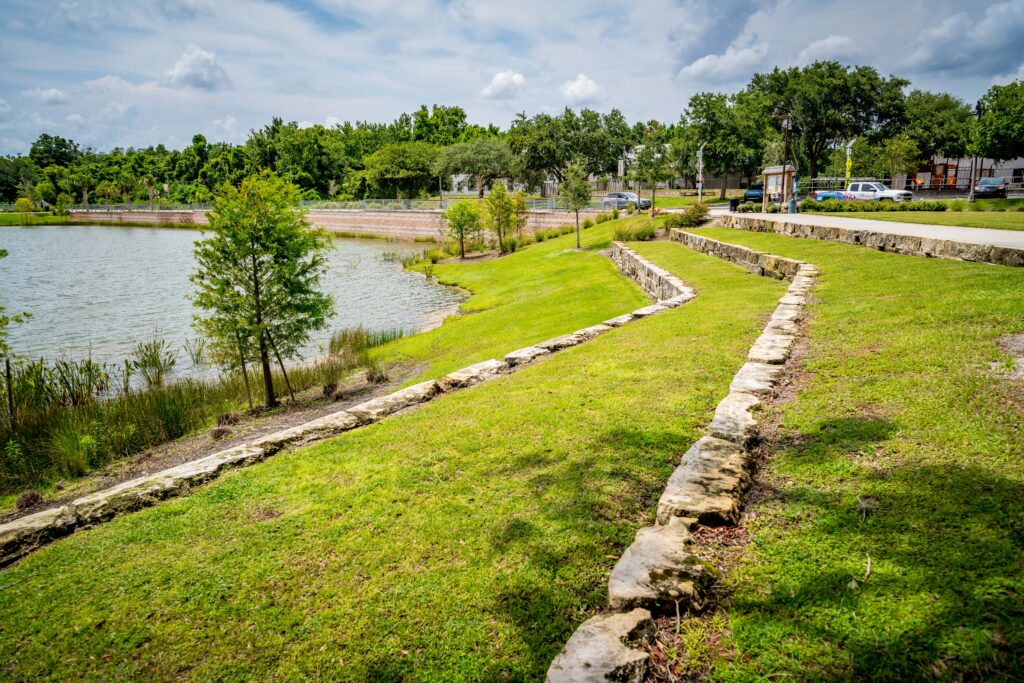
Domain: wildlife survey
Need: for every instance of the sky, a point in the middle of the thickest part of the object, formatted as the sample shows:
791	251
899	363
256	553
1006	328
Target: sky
125	73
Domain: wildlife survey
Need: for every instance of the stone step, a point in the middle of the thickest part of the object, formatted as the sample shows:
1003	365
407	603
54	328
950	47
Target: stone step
733	420
707	487
601	650
659	571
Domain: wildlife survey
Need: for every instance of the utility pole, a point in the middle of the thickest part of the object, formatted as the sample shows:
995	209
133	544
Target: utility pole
785	159
700	173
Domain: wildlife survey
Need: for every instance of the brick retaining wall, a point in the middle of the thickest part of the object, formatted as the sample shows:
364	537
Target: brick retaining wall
397	224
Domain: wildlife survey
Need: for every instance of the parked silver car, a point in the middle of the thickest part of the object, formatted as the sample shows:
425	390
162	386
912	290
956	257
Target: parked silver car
621	200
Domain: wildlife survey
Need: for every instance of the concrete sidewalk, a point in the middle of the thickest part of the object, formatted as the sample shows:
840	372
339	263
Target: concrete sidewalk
1011	239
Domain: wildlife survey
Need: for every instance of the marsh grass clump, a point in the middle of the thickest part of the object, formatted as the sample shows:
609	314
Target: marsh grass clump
153	360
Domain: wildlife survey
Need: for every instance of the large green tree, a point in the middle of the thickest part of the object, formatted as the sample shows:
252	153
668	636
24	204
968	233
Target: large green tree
939	123
652	163
1001	124
405	169
257	277
484	159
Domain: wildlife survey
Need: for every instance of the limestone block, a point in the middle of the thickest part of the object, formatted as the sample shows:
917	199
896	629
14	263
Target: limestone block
592	331
619	321
377	408
649	310
771	348
474	374
23	535
758	379
599	650
333	423
788	312
787	327
793	300
708	485
562	342
659	569
733	420
124	497
525	355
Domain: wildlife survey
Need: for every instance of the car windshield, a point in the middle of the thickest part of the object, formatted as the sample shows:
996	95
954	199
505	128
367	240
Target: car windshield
757	186
991	181
630	195
880	188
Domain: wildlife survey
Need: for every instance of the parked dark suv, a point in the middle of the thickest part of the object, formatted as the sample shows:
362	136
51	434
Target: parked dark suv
754	193
621	200
994	188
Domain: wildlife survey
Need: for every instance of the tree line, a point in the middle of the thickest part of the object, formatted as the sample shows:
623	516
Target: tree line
806	114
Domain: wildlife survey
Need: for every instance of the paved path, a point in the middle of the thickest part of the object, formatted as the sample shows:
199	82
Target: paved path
1013	239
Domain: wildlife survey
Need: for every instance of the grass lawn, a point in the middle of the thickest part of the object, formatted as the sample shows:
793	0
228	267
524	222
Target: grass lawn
902	446
535	294
968	219
462	541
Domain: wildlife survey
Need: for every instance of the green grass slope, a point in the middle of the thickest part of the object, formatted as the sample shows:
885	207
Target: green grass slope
462	541
903	446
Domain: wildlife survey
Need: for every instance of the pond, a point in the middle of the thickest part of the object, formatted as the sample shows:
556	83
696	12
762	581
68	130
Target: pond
96	290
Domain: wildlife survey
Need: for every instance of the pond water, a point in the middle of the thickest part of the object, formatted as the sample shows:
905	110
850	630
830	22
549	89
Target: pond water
97	290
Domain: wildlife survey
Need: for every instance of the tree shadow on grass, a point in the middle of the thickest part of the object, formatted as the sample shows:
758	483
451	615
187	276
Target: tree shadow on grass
945	598
586	511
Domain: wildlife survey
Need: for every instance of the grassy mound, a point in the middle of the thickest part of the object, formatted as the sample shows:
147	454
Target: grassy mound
462	541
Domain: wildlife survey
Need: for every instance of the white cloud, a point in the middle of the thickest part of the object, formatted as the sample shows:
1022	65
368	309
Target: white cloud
226	128
5	108
75	119
732	65
958	45
184	9
199	69
840	48
108	84
581	90
1006	79
115	112
51	96
332	121
505	85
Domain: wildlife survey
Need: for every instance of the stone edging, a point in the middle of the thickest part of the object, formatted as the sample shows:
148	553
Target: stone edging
912	245
21	536
660	572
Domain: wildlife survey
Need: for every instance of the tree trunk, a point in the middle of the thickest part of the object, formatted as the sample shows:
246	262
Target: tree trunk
462	244
725	181
480	185
269	399
280	363
578	229
654	191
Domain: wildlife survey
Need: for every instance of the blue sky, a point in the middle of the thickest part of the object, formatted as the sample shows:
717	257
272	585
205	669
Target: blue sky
139	72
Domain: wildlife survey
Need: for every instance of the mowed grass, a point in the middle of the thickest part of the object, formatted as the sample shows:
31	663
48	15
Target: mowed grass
903	446
542	291
1010	220
464	540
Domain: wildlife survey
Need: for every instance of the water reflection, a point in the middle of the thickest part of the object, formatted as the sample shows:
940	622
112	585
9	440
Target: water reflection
96	290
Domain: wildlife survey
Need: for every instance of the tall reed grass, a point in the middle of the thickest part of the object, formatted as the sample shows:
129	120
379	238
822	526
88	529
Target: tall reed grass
71	417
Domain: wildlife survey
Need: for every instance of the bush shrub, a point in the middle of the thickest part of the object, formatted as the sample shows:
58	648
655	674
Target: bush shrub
751	207
636	233
509	245
615	213
692	216
587	224
836	206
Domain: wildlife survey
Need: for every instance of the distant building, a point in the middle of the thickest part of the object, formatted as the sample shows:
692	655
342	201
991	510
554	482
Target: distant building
953	174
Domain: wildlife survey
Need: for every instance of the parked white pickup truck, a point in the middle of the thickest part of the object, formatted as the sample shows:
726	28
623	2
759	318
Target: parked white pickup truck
862	191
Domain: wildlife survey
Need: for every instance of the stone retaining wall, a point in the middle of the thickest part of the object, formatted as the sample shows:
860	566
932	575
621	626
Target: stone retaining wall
426	225
24	534
883	241
656	282
661	572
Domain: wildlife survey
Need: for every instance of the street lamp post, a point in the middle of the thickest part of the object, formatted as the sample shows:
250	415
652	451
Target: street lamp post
700	173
